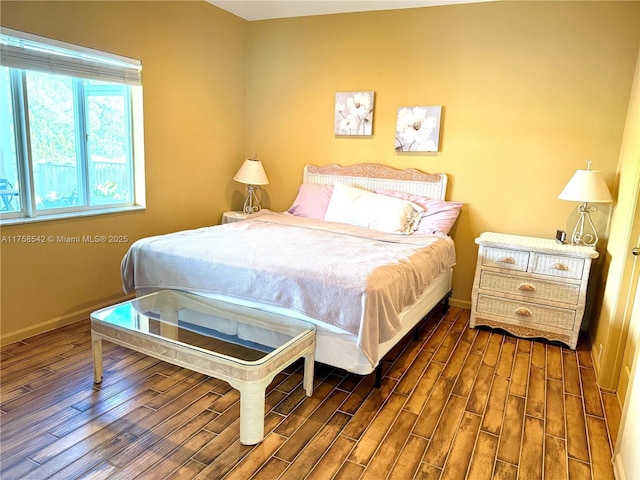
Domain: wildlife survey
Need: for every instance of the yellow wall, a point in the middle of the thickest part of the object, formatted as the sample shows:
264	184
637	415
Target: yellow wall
529	91
194	63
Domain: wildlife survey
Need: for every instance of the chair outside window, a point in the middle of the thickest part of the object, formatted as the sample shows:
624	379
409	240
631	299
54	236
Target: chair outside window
7	192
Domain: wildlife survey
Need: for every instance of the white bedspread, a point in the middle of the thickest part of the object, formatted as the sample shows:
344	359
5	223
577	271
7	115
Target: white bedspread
351	277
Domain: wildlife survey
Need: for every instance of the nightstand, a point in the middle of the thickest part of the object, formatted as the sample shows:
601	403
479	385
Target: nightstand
531	287
230	217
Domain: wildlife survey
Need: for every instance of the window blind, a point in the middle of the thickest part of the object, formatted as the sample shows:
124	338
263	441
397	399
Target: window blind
31	52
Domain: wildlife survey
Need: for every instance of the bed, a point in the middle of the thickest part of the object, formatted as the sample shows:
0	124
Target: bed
363	253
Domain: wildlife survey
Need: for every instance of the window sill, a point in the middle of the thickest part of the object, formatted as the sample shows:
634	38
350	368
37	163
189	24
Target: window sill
5	222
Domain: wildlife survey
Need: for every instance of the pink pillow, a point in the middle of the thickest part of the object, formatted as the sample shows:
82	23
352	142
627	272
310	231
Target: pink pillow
438	215
312	201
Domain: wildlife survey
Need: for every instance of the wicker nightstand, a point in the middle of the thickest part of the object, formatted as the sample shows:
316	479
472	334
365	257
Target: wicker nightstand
531	287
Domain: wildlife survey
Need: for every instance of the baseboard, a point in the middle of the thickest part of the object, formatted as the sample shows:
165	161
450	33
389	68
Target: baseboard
456	302
56	322
618	468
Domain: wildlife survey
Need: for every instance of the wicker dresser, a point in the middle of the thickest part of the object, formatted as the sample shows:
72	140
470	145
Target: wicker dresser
531	287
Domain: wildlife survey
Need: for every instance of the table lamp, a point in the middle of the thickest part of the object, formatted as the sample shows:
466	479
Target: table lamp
586	186
252	174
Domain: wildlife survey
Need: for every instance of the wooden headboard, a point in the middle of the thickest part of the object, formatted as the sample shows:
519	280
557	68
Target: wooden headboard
370	176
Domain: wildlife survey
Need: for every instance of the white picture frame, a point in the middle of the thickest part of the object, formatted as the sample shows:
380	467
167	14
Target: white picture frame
418	129
354	114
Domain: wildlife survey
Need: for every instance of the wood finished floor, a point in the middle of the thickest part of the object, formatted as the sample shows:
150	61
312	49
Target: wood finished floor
454	403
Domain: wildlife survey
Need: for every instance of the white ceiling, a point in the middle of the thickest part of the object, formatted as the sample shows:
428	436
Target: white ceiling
269	9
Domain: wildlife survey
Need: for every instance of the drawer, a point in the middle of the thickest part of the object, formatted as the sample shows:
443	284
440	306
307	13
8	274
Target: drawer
503	258
531	288
524	313
558	266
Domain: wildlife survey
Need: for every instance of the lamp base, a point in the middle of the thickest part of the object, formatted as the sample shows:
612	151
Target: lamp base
580	237
251	202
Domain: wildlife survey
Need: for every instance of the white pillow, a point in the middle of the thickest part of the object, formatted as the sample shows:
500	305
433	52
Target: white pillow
367	209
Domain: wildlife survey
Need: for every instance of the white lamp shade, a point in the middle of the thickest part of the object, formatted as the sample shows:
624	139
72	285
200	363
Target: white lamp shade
252	173
586	186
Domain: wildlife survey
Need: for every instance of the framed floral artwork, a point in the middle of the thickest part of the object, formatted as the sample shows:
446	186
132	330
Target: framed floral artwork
418	129
354	113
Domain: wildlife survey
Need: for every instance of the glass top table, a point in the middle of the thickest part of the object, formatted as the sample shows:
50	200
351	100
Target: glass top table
243	346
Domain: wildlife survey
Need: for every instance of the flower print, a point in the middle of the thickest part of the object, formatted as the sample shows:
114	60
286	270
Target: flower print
417	129
354	112
359	105
349	123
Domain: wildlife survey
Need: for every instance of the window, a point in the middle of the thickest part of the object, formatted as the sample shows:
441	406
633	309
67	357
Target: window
70	130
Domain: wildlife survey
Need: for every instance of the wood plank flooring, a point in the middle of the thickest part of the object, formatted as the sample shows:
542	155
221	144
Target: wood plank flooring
454	403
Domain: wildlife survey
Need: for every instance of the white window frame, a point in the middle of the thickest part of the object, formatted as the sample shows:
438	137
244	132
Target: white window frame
24	51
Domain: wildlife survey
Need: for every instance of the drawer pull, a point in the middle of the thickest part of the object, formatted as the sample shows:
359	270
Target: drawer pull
559	266
523	312
508	260
526	287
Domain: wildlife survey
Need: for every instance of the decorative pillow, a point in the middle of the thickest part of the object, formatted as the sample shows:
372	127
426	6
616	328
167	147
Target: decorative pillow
312	201
437	216
368	209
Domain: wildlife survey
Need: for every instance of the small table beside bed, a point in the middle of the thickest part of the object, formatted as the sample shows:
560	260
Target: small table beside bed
363	253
